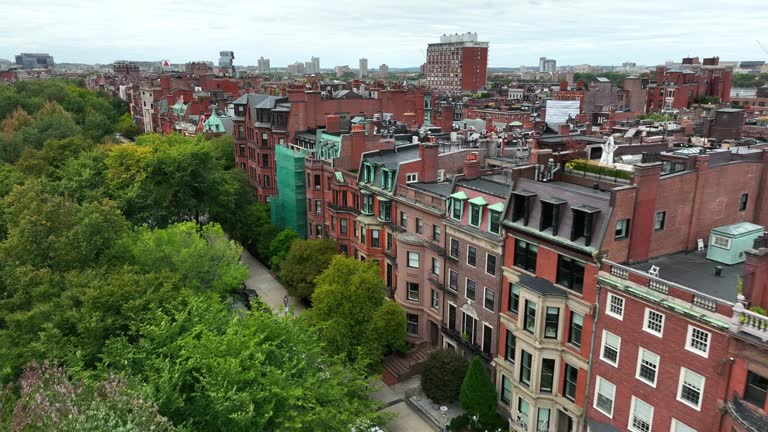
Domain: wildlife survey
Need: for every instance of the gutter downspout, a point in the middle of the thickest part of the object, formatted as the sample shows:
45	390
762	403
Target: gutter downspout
723	412
591	356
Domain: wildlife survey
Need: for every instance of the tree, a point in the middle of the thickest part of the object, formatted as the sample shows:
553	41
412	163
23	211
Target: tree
264	236
478	395
213	370
279	247
305	260
127	127
49	400
443	375
347	300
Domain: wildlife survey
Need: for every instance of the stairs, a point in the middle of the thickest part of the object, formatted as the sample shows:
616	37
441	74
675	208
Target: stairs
399	368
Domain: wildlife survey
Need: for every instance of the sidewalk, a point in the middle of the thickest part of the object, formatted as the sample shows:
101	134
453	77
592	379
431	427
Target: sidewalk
270	290
407	420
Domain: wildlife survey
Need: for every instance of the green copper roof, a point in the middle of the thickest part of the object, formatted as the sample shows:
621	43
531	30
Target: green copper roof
213	123
498	207
478	201
339	176
461	195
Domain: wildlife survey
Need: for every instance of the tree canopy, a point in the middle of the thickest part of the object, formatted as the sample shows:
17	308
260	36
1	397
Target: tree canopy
305	260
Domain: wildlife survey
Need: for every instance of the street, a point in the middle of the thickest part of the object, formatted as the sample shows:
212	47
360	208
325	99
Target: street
270	290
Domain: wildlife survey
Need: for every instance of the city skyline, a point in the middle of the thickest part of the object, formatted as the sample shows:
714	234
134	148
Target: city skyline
585	32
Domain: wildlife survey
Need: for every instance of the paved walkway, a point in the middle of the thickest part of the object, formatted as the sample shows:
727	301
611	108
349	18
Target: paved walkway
270	290
407	420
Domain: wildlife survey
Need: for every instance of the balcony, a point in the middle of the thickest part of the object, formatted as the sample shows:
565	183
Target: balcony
435	279
342	209
746	321
750	419
467	345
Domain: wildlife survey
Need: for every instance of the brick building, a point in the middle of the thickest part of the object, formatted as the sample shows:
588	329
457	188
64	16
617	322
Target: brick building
677	88
458	63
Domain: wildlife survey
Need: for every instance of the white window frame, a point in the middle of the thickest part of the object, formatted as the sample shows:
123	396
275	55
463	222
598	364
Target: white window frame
618	348
470	246
646	320
632	413
683	371
597	393
678	426
466	284
435	266
494	266
652	354
408	291
485	291
412	177
450	247
726	242
435	299
609	304
418	259
689	338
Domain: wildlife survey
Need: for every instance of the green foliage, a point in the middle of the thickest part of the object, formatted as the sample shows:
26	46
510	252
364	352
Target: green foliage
264	236
49	400
346	310
127	127
305	260
279	247
603	171
213	371
707	100
443	375
758	310
657	117
616	78
478	395
749	79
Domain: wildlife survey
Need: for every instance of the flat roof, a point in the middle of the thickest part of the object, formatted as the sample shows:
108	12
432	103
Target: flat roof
693	270
579	188
488	186
441	189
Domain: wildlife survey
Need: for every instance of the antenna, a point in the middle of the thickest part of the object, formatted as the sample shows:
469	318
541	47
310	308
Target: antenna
761	46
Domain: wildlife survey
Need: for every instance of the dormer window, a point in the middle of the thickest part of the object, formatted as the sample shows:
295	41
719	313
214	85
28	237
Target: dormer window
386	179
457	205
583	220
476	211
521	206
494	218
369	172
550	215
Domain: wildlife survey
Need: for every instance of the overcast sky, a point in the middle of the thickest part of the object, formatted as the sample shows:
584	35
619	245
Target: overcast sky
395	32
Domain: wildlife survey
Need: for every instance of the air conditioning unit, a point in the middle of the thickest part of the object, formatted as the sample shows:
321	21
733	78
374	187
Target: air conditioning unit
440	175
318	212
317	187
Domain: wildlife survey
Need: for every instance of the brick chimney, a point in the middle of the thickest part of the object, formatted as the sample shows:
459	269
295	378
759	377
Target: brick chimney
563	85
165	83
565	129
646	179
428	153
472	166
755	279
702	168
446	118
332	123
588	129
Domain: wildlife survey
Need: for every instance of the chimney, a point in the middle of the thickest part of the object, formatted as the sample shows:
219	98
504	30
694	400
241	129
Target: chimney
332	123
428	153
446	118
563	85
165	83
755	279
565	129
471	166
588	129
646	179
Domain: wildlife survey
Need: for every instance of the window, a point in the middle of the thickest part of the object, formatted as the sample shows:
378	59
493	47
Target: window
551	322
525	369
475	212
319	231
622	229
581	226
678	426
756	389
412	328
547	375
610	350
720	241
522	412
606	391
658	223
570	273
489	299
385	211
615	306
525	255
697	341
436	233
454	248
743	202
457	209
413	259
390	241
691	388
550	217
653	322
640	416
362	235
317	181
470	289
542	420
413	291
494	225
412	177
264	139
506	390
529	320
469	327
571	379
520	206
514	298
471	256
403	220
510	346
367	204
452	316
375	238
647	366
435	299
453	282
490	264
576	327
419	226
435	266
487	338
267	181
333	223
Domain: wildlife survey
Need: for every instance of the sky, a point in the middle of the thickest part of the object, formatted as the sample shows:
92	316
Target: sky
395	32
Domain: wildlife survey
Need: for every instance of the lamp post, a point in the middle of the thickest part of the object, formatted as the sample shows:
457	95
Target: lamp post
444	415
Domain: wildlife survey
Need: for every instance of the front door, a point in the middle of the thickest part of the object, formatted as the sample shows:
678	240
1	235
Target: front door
433	333
564	422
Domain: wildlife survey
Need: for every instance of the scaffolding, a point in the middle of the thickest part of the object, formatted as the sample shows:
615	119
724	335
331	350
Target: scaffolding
289	207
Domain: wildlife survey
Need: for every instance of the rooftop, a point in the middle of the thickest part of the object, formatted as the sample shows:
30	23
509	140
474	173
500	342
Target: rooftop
541	286
441	189
488	186
693	270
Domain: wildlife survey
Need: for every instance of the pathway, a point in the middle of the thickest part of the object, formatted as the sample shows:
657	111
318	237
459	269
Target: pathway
270	290
393	398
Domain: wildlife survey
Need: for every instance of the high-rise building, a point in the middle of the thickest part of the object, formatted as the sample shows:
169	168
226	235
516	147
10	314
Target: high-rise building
383	70
341	70
457	63
297	68
308	67
547	65
264	65
226	62
29	61
363	67
315	65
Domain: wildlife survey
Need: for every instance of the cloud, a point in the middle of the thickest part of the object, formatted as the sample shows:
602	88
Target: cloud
396	32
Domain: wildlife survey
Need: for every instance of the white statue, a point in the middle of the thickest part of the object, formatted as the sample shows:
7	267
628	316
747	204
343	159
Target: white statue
609	148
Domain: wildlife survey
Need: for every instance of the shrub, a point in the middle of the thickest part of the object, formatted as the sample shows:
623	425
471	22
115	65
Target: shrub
478	394
443	374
